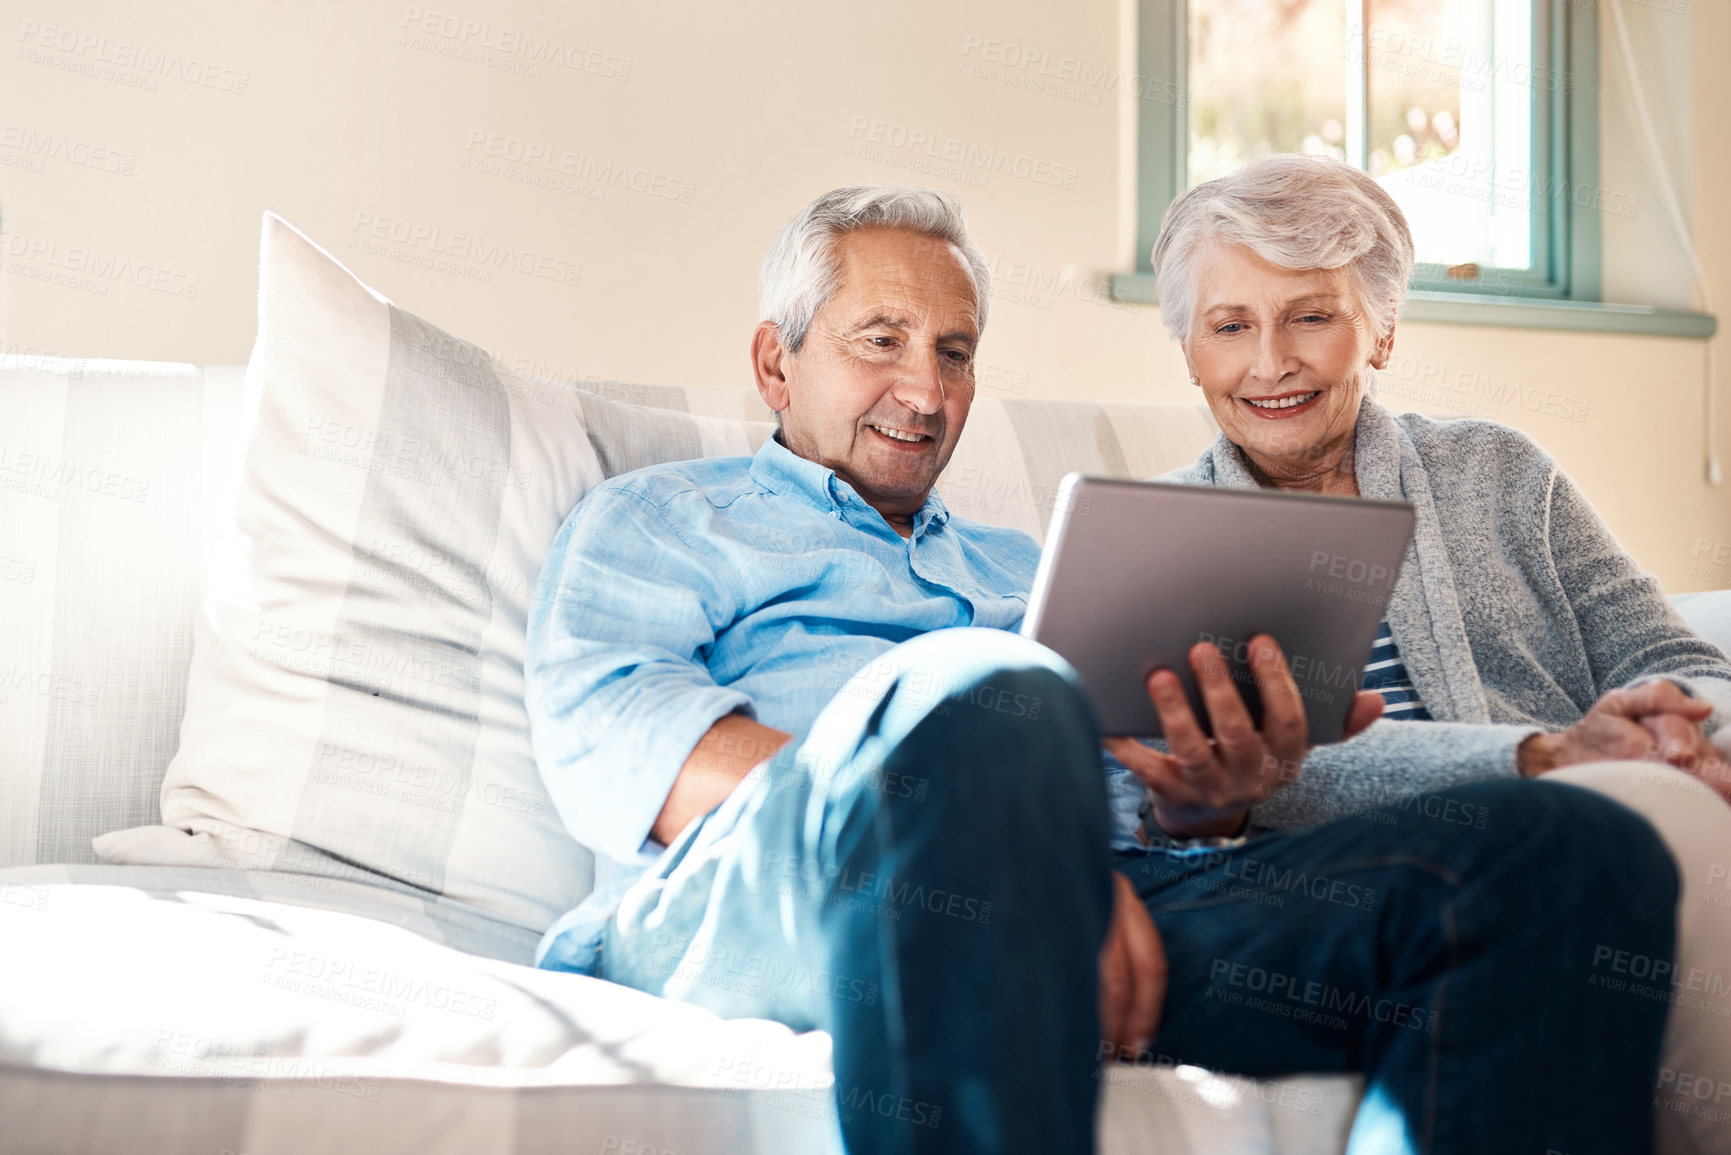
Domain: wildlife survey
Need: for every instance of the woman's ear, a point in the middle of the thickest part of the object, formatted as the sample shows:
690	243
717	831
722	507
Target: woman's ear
1383	350
769	359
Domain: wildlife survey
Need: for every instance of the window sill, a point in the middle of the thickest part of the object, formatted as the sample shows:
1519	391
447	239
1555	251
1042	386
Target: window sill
1506	312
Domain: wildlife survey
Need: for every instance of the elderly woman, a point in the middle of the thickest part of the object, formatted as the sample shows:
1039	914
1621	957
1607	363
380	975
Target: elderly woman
1519	640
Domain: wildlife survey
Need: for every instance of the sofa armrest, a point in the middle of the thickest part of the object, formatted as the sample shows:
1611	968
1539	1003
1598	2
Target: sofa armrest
1708	614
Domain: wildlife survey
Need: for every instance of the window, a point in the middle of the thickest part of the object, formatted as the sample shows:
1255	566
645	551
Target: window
1478	116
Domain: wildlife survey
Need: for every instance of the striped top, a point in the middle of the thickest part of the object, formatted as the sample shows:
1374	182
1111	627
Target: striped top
1385	674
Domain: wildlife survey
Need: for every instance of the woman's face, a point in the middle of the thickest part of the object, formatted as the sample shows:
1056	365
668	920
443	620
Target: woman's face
1281	355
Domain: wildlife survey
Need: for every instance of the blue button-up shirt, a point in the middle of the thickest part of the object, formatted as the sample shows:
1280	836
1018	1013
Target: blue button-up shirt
681	593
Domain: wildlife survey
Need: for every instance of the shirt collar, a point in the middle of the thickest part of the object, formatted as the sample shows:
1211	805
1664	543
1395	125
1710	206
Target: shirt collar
780	470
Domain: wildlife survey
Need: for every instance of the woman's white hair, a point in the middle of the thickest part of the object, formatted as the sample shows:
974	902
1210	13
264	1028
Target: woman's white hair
800	272
1297	212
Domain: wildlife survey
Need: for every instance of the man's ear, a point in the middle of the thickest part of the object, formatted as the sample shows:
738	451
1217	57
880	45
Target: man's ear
769	363
1383	351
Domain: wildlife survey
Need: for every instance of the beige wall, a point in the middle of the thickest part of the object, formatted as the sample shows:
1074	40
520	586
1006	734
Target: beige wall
346	117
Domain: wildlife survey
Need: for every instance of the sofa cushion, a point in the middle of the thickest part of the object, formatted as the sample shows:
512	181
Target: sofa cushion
103	472
1708	614
247	1019
355	702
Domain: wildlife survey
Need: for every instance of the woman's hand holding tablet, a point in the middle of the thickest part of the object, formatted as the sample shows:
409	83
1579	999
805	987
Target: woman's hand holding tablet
1206	788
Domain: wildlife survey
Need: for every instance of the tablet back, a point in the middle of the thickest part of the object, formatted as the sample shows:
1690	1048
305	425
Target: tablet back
1134	573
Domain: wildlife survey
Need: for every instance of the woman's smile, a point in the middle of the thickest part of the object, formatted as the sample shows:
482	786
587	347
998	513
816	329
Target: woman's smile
1280	406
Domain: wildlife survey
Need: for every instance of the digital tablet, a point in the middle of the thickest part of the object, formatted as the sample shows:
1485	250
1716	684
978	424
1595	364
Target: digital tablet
1134	573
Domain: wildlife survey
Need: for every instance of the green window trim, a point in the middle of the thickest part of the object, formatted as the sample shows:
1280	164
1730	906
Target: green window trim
1460	308
1561	292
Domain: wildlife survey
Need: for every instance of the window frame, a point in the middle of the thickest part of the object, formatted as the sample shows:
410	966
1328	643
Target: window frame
1567	242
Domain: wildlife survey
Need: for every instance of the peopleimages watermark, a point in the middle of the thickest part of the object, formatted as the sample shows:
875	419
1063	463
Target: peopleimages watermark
1032	284
121	61
326	654
628	1146
428	568
793	1091
1711	561
399	779
21	677
1472	177
1720	875
460	254
37	473
30	149
982	489
1060	75
1189	1083
1470	393
836	885
258	1071
816	1096
1350	579
1453	63
1001	378
1310	1000
88	269
1646	976
390	453
550	166
28	897
503	47
179	1052
372	988
934	153
1697	1095
759	974
1317	680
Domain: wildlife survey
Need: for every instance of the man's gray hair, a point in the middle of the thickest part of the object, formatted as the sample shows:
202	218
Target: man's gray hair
800	272
1297	212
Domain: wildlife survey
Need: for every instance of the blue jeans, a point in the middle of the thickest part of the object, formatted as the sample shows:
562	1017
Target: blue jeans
927	878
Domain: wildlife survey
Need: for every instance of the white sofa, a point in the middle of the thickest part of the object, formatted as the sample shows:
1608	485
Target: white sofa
180	1007
193	1009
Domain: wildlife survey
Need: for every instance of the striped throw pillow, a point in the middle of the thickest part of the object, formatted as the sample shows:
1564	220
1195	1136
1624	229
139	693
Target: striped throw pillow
355	702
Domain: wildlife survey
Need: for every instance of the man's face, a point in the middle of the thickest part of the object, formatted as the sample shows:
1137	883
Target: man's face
880	390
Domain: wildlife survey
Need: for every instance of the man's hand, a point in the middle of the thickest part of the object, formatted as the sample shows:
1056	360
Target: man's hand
726	753
1207	788
1653	722
1132	973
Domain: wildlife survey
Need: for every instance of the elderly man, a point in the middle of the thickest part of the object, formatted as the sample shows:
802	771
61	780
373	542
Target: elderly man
780	698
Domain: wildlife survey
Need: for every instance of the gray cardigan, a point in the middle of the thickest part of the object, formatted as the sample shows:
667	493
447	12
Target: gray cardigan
1515	610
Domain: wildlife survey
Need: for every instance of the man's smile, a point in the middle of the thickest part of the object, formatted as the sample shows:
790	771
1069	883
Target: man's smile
903	436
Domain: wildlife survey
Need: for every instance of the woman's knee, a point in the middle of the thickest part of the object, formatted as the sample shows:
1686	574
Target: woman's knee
1605	847
1565	840
1693	821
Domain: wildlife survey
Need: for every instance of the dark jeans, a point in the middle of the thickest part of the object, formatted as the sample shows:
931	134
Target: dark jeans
926	877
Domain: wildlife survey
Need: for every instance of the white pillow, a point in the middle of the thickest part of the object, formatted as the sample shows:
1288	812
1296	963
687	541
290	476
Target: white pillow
355	704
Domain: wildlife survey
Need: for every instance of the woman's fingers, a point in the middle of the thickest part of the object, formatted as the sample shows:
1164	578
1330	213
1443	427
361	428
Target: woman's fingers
1656	697
1602	736
1366	708
1284	726
1678	740
1184	737
1233	729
